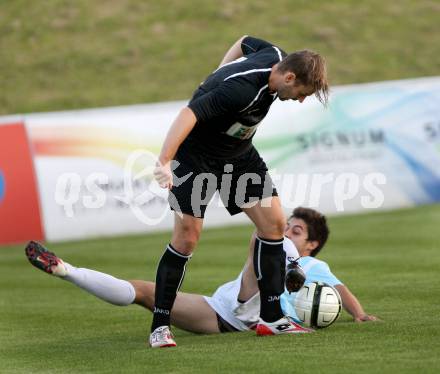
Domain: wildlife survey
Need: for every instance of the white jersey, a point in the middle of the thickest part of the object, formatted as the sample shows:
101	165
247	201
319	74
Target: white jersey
244	316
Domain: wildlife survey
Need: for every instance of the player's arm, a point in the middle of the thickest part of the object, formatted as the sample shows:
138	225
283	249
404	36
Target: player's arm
244	46
234	52
179	130
251	45
322	273
352	305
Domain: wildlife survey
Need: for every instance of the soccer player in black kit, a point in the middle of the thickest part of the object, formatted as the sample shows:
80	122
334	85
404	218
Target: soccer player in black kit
211	140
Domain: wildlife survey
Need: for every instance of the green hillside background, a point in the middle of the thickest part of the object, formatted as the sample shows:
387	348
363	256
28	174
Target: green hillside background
60	54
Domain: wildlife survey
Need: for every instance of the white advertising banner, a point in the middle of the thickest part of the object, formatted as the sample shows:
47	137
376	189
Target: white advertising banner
377	146
95	168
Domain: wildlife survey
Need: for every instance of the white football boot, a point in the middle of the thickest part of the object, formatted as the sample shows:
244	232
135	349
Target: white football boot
284	325
162	337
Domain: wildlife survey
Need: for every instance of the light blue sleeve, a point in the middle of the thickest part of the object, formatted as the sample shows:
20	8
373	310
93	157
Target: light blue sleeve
320	272
287	304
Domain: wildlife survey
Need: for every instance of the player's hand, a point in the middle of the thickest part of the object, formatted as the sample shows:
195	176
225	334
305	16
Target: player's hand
163	175
366	318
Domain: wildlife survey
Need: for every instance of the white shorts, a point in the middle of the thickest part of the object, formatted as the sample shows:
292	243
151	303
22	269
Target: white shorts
224	302
225	314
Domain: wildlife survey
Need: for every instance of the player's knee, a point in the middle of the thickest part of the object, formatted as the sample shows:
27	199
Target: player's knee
144	293
185	245
273	229
280	227
186	239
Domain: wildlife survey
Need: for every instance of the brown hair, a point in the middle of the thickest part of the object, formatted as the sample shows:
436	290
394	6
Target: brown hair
310	69
317	228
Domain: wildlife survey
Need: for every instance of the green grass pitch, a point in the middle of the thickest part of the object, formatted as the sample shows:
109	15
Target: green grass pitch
390	260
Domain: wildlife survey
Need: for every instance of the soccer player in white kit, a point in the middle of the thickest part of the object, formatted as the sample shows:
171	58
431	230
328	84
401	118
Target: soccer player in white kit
235	305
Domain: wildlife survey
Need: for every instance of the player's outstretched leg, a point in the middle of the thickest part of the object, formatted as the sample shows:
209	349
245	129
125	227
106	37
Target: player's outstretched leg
45	260
284	325
108	288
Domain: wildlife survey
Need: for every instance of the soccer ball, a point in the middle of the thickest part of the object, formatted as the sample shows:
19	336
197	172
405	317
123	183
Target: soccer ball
317	305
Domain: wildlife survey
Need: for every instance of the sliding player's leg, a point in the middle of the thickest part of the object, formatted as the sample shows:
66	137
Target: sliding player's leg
190	311
104	286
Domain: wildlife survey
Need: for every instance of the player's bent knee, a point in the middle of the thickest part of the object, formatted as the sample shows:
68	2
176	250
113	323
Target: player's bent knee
185	239
272	230
144	293
281	226
184	243
185	246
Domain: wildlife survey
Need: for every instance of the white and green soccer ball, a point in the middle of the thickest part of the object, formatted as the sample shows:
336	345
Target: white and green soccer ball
317	305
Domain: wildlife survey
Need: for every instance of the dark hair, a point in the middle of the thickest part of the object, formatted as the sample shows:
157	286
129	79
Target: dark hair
310	70
317	228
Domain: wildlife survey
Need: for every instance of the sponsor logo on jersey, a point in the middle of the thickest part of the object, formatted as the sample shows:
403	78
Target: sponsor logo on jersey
237	130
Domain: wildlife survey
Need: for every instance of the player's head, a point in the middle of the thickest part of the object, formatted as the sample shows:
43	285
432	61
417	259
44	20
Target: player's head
300	74
308	230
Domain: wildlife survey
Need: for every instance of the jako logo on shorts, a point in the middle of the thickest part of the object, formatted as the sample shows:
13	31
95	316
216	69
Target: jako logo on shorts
2	186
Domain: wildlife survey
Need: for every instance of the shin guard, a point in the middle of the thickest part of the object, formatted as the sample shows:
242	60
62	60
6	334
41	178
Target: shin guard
169	278
270	269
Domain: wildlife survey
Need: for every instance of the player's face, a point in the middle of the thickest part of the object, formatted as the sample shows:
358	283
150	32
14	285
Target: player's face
296	231
291	89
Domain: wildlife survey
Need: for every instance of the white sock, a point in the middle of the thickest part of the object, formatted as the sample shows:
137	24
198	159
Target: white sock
113	290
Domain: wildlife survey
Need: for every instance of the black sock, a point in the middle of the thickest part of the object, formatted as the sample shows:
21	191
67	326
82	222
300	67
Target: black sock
270	268
169	277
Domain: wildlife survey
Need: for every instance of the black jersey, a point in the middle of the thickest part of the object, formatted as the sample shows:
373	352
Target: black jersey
232	101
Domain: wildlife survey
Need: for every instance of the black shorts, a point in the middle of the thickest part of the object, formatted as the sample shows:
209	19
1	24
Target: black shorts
241	180
224	326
